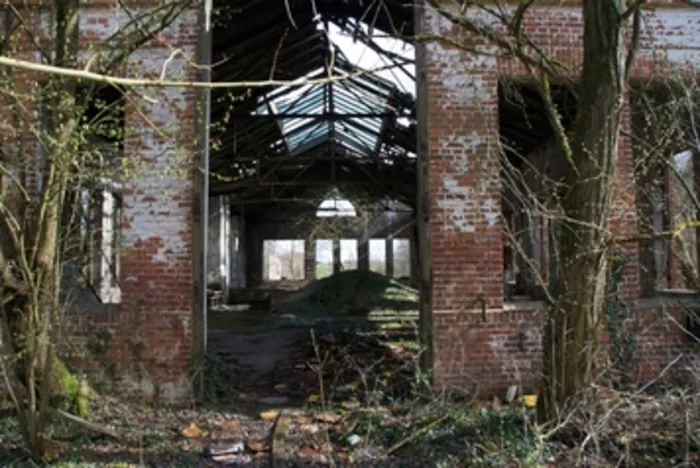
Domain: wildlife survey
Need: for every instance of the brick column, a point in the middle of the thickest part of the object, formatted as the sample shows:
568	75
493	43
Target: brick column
153	340
465	205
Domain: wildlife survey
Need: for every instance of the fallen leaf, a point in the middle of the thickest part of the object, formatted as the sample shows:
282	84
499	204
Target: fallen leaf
192	431
230	425
328	417
309	452
302	420
269	415
310	428
530	401
325	447
256	446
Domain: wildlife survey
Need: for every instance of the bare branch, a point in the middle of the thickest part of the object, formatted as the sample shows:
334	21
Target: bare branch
146	83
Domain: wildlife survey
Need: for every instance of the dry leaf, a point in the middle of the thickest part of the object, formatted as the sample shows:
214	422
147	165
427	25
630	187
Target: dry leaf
269	415
256	446
328	417
192	431
309	452
530	400
230	425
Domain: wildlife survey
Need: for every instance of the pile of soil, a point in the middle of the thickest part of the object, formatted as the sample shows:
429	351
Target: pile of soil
349	293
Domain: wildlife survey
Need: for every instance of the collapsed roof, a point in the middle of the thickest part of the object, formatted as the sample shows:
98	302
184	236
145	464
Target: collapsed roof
293	144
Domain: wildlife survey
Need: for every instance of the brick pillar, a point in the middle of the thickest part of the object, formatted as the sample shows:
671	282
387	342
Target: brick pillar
465	206
624	214
153	340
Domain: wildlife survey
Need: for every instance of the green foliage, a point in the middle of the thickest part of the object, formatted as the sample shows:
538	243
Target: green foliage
218	381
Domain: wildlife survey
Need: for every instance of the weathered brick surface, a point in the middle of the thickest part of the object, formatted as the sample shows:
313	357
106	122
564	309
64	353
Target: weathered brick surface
465	191
153	326
152	341
486	355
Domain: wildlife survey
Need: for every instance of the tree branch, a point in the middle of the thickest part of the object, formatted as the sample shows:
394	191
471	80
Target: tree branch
148	83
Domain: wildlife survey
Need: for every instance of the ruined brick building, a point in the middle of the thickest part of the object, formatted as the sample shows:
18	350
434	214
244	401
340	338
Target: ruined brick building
424	158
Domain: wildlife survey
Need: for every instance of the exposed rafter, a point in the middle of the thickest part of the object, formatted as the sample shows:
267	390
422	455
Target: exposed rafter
278	144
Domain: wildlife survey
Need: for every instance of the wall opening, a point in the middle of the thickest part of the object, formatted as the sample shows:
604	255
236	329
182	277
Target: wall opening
348	254
324	258
377	256
283	260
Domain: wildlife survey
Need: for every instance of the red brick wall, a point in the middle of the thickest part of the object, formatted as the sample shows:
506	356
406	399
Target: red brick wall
152	341
154	335
484	356
465	191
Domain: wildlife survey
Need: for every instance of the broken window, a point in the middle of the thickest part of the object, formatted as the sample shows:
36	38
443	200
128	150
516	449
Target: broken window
324	258
283	260
377	256
683	212
402	258
348	254
99	200
665	204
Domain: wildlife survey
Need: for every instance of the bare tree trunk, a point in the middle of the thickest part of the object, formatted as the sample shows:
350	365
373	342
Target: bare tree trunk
572	334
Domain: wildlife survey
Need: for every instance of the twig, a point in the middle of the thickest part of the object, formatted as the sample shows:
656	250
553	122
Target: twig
85	423
420	431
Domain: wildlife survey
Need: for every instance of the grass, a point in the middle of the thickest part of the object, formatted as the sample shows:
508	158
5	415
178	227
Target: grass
409	435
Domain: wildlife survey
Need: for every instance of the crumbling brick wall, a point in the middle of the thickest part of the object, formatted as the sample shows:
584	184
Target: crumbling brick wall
490	346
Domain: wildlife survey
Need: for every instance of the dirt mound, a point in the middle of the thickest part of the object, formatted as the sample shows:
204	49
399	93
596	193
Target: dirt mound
353	292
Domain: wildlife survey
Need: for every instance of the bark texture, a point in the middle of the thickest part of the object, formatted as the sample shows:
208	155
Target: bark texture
572	334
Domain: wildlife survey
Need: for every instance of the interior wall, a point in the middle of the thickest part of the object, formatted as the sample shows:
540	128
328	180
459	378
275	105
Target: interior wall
226	256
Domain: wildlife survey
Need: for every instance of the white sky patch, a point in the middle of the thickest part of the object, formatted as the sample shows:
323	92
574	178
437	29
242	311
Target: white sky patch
335	207
361	55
